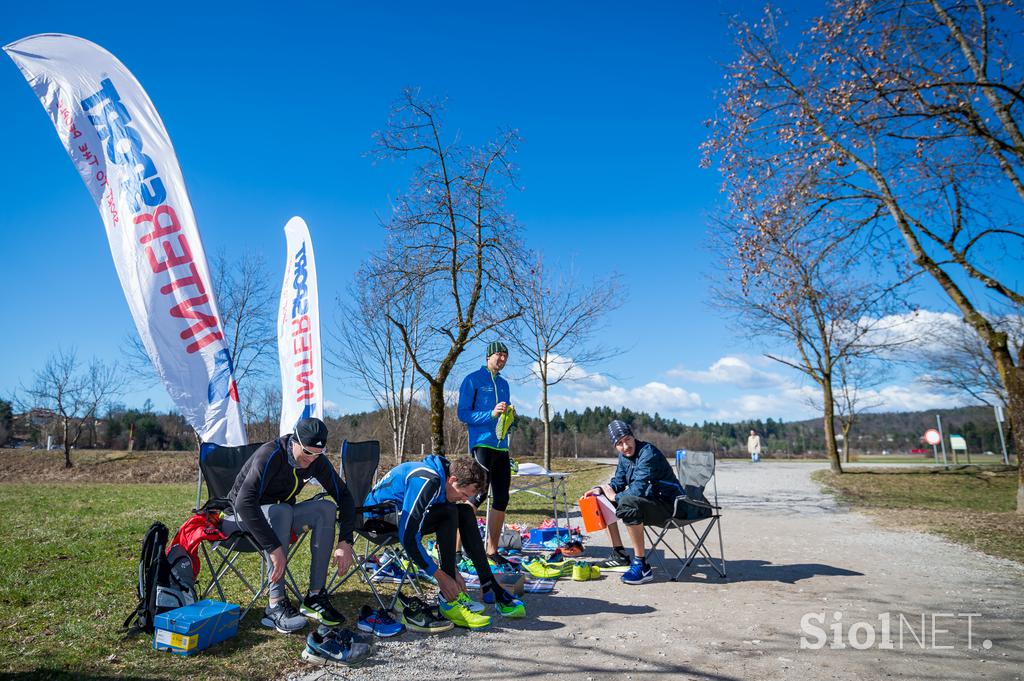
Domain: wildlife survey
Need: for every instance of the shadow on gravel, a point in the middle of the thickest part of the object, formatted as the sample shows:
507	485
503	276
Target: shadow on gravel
581	605
577	660
765	571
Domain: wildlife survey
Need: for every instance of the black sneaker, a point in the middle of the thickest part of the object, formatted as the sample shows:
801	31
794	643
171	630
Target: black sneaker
325	647
498	560
418	616
283	617
319	608
617	563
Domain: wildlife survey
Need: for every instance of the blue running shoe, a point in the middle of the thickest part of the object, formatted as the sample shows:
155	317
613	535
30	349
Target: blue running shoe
378	622
638	573
327	647
390	573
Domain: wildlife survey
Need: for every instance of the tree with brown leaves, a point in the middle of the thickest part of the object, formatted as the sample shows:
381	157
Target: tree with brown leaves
902	120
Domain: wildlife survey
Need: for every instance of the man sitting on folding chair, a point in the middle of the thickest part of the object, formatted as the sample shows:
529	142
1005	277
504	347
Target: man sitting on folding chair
643	489
263	498
428	493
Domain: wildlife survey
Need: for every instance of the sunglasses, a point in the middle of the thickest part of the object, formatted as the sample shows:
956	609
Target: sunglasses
303	448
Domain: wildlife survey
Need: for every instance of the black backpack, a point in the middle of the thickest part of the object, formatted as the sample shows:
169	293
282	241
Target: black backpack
164	584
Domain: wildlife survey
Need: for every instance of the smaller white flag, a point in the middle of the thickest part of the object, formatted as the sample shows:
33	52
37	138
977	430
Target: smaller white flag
298	331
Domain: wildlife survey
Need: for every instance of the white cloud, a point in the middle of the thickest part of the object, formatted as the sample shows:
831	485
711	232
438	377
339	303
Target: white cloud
791	402
559	365
331	408
732	371
651	397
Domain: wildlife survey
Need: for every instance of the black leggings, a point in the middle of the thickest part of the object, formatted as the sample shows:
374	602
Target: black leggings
499	476
445	520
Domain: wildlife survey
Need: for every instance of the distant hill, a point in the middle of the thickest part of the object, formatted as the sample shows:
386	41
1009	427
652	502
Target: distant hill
573	433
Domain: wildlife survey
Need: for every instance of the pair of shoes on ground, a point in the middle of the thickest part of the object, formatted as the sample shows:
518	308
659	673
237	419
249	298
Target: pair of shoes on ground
416	615
284	617
546	569
584	572
639	573
330	646
573	549
378	622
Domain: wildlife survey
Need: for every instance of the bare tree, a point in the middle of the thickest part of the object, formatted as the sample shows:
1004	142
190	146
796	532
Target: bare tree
449	240
904	116
799	287
261	405
73	393
956	358
856	376
247	301
369	350
556	332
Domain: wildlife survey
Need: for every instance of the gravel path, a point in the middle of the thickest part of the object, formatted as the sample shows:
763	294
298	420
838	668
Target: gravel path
792	552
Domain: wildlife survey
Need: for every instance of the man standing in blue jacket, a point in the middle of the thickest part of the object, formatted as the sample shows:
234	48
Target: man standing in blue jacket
427	494
483	398
643	489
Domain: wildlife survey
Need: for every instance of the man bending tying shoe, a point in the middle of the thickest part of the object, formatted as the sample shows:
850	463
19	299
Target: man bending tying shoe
643	490
429	494
264	500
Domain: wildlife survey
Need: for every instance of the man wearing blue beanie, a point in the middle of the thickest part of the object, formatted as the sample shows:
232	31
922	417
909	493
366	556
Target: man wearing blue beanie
643	489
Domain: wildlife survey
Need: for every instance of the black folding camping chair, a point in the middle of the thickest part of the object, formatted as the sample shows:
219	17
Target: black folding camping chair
218	467
693	516
380	546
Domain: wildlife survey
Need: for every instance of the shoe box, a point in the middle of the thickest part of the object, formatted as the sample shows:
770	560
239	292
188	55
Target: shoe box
513	582
541	535
192	628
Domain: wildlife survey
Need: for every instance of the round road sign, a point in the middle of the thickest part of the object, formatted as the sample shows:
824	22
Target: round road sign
932	437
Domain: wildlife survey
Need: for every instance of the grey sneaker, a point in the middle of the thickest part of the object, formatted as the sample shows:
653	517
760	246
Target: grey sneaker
283	617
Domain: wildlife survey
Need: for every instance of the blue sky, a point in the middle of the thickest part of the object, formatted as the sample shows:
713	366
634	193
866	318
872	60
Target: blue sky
271	114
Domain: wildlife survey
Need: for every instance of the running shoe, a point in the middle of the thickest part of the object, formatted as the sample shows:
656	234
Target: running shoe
617	563
509	606
378	622
460	616
418	616
573	549
389	573
319	608
584	572
327	647
498	560
540	569
639	573
470	604
283	617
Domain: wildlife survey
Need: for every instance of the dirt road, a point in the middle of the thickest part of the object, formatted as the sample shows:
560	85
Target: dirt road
792	555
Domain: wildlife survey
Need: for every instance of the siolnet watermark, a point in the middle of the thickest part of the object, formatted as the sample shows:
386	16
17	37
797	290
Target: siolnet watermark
891	631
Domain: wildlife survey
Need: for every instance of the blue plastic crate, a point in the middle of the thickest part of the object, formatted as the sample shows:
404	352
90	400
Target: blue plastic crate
192	628
539	536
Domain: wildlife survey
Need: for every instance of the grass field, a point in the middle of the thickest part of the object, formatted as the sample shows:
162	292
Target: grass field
69	558
968	504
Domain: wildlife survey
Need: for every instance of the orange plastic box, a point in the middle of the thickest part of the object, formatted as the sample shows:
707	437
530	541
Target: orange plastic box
590	511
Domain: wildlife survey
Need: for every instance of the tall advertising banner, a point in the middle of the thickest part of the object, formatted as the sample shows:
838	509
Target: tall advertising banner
120	147
298	331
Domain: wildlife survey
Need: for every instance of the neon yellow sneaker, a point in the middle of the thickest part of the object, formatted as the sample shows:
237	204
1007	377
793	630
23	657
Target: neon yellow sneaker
460	615
469	604
542	570
513	609
584	572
